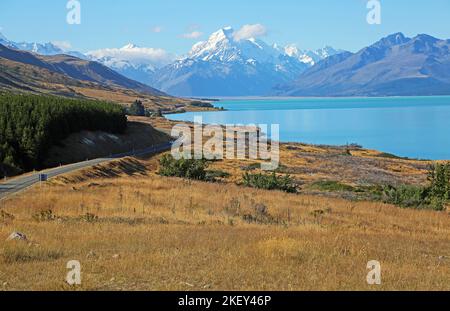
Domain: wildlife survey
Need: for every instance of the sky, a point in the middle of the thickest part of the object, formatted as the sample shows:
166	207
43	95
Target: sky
175	25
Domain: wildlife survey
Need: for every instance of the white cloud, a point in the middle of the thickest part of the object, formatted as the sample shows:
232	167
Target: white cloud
250	31
135	55
63	45
157	29
192	35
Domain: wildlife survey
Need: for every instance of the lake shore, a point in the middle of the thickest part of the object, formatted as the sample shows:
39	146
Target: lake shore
162	233
412	127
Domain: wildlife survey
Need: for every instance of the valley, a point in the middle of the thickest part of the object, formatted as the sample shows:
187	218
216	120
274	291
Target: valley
136	218
133	229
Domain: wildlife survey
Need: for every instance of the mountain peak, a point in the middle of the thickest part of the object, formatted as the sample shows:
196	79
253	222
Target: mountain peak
129	46
225	33
425	37
291	50
393	39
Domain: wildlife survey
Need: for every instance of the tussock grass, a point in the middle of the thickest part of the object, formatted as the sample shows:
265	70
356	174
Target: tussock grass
170	231
331	185
23	252
136	230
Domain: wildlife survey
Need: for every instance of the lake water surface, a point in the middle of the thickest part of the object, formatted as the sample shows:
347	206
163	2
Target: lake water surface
415	127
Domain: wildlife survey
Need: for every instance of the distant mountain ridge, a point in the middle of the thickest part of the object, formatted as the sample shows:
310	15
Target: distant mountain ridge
70	67
48	48
394	66
224	66
220	66
132	61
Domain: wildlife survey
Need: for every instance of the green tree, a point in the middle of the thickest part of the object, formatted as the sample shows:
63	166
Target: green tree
31	124
137	109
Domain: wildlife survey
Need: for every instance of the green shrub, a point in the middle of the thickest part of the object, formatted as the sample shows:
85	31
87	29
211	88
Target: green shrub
270	182
406	196
439	178
184	168
435	196
136	109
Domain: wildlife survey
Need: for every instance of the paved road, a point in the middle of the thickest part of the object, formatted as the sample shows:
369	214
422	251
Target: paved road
22	182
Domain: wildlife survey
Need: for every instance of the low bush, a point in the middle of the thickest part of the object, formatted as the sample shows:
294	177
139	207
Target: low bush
435	196
184	168
270	182
406	196
136	109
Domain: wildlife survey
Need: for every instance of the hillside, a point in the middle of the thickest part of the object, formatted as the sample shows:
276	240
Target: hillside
160	233
69	76
77	69
394	66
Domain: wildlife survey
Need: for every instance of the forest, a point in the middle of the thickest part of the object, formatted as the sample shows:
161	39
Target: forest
31	124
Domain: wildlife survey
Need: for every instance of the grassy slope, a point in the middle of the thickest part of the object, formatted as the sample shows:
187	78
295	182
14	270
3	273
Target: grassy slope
163	233
19	77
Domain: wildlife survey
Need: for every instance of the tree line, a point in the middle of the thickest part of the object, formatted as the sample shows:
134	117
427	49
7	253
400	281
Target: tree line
31	124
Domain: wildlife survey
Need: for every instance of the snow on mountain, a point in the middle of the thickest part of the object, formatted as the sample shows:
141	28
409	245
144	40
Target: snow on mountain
308	56
138	63
393	66
48	48
133	55
229	63
226	66
222	46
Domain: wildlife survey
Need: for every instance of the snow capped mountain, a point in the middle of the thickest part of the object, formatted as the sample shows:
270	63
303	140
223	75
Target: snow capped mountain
393	66
227	65
133	55
43	49
310	57
222	46
48	48
133	61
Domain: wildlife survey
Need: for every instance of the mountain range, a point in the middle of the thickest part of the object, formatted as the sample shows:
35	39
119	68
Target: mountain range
225	65
394	66
48	48
220	66
71	68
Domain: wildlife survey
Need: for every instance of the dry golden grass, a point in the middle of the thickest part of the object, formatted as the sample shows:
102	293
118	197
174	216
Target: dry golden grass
155	233
127	97
311	163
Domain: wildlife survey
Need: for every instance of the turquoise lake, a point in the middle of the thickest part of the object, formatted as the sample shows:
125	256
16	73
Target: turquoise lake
414	127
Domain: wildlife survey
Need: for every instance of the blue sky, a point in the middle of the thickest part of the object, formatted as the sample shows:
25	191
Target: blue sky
162	23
